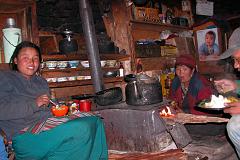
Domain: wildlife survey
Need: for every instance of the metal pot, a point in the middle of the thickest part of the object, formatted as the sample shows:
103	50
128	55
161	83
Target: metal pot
68	44
143	90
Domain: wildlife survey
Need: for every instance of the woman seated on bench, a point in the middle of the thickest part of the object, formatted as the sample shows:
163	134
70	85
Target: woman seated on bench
24	99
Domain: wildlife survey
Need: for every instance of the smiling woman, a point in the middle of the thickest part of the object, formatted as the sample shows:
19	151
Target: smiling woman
26	59
24	99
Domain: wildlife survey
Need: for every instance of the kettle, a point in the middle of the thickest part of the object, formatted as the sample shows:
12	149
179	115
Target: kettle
142	90
68	44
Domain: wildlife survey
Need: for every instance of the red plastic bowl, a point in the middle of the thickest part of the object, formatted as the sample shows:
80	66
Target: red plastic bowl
60	111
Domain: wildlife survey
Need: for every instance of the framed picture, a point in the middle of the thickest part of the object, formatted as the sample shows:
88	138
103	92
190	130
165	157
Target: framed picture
208	42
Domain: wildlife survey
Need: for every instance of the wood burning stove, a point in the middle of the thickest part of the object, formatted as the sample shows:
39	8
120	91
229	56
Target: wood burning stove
135	130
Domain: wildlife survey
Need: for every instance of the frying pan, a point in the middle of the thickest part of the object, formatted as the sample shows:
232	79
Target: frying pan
105	97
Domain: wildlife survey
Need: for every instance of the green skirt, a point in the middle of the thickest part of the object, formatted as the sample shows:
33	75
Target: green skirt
78	139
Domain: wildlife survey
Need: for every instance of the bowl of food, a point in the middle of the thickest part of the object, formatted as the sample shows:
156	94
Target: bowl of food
216	102
85	64
73	64
59	111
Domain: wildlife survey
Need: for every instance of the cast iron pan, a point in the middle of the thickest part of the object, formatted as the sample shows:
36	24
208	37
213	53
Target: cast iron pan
105	97
83	96
109	96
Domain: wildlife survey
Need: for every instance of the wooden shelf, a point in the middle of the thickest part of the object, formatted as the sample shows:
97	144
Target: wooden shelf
76	69
82	82
156	27
68	57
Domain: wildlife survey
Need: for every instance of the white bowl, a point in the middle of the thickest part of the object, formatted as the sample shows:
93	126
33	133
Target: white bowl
51	64
103	63
51	79
72	78
61	79
62	64
87	77
85	64
80	77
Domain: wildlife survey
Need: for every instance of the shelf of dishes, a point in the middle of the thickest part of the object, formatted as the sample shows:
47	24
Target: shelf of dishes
77	64
72	70
83	82
68	57
59	76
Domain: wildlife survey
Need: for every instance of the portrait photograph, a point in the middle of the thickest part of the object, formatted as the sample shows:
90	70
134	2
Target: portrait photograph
208	44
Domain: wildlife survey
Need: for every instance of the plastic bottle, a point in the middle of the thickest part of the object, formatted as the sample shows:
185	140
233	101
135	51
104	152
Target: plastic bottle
121	70
168	83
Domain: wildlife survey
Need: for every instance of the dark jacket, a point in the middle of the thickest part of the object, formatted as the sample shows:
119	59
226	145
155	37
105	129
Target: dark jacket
199	89
18	108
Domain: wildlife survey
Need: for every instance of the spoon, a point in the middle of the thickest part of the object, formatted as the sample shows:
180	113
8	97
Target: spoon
54	103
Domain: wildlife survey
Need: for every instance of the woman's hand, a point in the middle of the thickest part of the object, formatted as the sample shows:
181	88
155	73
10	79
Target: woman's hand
225	85
42	100
232	108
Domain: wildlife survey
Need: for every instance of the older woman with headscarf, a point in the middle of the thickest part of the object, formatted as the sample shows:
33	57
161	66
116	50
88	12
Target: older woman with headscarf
189	87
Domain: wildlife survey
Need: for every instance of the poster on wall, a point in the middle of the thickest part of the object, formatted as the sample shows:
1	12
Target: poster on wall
204	7
208	44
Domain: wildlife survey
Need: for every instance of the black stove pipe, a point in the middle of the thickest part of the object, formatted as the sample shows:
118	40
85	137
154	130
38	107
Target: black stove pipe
92	46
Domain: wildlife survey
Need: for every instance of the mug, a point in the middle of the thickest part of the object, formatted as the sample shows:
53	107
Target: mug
85	105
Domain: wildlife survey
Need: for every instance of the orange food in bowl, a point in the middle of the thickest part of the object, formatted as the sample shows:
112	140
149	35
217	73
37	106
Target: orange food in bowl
60	111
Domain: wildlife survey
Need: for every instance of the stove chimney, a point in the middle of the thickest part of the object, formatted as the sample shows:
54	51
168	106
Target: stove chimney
92	47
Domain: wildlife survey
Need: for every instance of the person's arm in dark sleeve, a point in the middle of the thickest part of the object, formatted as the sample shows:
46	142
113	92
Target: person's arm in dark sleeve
14	106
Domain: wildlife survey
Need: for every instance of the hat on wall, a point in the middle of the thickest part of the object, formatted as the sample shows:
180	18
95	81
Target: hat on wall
187	60
233	44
